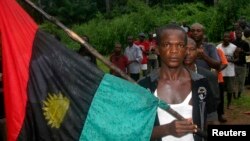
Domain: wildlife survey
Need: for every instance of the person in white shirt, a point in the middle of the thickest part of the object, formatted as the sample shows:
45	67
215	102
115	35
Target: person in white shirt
134	55
229	72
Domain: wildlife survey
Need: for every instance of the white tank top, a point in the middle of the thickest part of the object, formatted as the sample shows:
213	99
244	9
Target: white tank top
183	109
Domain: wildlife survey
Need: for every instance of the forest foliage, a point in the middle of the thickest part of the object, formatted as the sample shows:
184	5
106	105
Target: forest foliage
110	21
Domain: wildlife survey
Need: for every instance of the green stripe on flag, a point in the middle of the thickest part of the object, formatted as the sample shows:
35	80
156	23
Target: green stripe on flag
120	110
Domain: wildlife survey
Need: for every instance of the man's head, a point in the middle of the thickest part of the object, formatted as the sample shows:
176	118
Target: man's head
118	48
172	40
130	40
191	52
197	32
238	34
142	36
242	22
236	25
226	39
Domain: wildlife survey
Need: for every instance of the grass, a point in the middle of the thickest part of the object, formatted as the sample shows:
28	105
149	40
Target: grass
240	106
102	66
244	101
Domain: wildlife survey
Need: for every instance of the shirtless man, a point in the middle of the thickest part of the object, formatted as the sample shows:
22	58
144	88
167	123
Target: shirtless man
185	91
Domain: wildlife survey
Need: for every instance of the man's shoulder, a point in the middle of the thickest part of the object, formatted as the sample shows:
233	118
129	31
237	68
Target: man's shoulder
233	46
149	79
219	46
208	74
134	46
196	76
152	76
208	45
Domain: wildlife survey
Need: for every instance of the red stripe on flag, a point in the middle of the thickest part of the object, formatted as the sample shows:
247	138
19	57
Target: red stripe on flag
17	34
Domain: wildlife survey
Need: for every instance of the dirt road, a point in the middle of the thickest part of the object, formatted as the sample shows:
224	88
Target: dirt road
239	114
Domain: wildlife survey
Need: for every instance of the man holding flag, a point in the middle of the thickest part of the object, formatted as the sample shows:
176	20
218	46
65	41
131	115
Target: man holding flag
48	97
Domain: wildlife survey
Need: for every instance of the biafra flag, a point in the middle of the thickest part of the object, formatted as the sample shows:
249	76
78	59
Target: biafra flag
52	94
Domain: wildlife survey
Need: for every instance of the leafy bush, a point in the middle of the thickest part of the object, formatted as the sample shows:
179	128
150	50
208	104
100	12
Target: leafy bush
53	29
103	32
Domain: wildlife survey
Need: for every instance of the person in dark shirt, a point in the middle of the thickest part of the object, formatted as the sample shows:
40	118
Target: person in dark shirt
189	62
207	54
85	53
240	62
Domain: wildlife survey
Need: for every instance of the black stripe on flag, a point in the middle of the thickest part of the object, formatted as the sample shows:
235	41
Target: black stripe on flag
60	89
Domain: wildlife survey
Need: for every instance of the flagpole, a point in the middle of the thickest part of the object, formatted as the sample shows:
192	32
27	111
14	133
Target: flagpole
93	51
78	39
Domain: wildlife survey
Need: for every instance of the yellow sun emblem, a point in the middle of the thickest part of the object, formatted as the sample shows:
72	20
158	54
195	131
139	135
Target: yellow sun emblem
55	108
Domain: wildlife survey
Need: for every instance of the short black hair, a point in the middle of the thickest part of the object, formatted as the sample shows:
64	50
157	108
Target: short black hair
172	26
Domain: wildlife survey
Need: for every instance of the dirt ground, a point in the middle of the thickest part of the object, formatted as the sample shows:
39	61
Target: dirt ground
238	114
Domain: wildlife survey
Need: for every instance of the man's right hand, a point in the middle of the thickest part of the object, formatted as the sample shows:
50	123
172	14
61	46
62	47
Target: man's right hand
179	128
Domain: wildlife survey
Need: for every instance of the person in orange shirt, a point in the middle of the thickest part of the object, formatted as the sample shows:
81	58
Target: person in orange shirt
220	108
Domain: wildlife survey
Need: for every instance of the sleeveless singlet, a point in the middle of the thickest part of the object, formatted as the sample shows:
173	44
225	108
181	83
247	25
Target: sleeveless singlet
183	109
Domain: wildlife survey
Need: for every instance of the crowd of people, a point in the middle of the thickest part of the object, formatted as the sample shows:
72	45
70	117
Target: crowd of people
170	61
178	65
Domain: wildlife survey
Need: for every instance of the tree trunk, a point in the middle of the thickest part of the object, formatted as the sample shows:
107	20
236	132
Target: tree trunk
107	2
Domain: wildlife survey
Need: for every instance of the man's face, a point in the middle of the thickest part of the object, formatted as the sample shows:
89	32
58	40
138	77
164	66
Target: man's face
130	40
236	25
226	38
172	48
238	34
191	53
118	48
197	33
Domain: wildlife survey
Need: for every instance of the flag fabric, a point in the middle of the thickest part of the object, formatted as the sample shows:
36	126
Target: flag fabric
52	94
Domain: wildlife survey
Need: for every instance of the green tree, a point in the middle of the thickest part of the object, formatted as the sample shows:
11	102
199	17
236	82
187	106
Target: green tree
70	11
227	12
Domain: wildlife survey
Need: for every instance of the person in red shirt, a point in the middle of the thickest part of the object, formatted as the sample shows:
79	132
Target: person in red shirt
144	45
119	60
